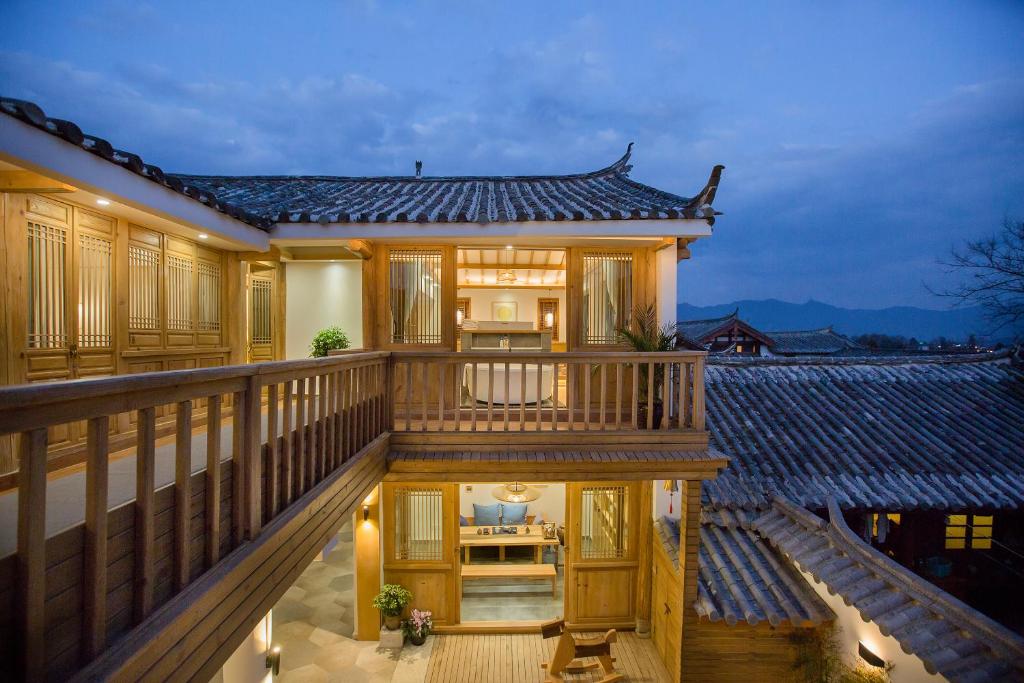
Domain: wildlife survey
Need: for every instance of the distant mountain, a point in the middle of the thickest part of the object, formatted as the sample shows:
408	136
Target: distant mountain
924	324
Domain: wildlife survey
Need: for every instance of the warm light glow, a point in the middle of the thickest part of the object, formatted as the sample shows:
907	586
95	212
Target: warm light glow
458	317
870	656
509	246
203	236
103	202
549	319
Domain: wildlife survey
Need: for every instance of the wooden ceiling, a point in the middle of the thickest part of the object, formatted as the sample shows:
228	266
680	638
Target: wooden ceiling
516	267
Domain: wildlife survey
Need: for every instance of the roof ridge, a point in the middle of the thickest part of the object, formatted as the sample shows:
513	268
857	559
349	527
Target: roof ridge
827	328
880	359
734	314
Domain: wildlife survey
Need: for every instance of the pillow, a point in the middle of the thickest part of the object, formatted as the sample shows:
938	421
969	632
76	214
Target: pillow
485	515
463	521
514	513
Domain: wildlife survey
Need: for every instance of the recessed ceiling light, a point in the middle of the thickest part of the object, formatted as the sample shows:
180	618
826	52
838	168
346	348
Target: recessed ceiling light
103	202
508	246
203	236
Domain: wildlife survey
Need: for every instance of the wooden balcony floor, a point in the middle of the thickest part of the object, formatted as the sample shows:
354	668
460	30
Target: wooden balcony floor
516	658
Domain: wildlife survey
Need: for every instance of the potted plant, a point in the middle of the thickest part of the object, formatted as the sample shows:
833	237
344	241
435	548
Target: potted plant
644	335
391	600
326	340
417	626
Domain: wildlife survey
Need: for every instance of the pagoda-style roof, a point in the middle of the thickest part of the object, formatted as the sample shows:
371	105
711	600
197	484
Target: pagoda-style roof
949	637
878	433
262	201
700	333
822	341
605	194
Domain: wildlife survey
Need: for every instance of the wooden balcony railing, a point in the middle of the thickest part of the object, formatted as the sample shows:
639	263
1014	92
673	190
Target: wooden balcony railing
517	392
75	592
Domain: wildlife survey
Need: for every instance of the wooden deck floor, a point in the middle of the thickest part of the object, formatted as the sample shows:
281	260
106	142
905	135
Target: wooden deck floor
517	659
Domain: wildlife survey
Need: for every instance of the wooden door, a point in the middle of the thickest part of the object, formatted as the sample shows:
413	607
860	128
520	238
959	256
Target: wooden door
421	546
261	317
601	554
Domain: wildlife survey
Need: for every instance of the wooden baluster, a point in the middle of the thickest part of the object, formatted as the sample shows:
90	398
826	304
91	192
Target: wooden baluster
586	397
252	448
570	393
362	407
472	398
441	372
683	381
287	450
145	470
650	394
408	396
424	394
300	437
94	577
460	374
328	425
490	395
507	389
336	408
311	445
604	394
698	393
618	395
31	558
522	396
352	431
321	442
182	495
635	393
538	421
342	433
554	397
273	453
212	531
376	381
666	395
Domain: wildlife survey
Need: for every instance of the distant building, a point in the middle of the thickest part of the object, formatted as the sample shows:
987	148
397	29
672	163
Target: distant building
726	335
820	342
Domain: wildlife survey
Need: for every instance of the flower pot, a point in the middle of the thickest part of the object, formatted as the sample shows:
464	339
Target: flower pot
418	640
641	416
392	623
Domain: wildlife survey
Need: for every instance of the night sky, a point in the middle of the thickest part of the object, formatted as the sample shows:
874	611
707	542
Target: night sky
861	140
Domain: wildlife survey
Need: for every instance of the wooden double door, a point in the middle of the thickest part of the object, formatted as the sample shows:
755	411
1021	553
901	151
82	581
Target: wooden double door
602	536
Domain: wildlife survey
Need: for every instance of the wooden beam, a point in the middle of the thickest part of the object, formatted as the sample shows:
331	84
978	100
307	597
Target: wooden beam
273	254
682	248
27	181
360	248
514	266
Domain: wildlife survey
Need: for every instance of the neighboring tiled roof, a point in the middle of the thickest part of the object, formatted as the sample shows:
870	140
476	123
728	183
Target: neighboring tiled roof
950	638
694	331
69	132
607	194
741	578
823	341
885	434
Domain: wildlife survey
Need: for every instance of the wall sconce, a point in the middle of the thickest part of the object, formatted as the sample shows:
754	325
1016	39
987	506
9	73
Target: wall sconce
870	657
366	512
549	319
274	660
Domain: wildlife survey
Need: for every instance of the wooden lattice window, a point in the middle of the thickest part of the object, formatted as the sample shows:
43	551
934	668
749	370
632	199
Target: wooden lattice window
607	296
415	296
179	292
260	323
47	268
418	524
94	291
144	288
604	522
547	316
209	297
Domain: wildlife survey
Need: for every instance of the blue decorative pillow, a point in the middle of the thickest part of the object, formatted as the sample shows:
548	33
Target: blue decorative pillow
485	515
514	513
463	521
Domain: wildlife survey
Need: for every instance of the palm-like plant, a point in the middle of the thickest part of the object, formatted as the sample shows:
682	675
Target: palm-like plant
645	335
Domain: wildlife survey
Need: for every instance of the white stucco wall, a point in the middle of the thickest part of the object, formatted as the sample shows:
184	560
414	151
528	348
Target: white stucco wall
248	663
666	266
321	294
661	500
481	299
550	505
852	629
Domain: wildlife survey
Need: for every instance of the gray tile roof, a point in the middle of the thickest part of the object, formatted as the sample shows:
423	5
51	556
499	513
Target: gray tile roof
606	194
741	578
33	115
694	331
950	638
823	341
885	434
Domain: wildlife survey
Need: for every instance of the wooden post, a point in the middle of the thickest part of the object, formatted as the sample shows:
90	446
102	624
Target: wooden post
689	547
238	469
253	459
300	437
32	553
182	494
145	472
94	582
698	393
645	558
367	566
212	550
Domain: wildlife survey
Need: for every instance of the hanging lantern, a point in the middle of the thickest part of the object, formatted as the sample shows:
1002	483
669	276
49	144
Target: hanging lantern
671	485
515	492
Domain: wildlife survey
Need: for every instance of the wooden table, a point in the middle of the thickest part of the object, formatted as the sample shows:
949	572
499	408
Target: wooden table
469	538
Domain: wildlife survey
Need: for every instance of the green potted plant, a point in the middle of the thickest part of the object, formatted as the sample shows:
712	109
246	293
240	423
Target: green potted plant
645	335
328	339
417	626
391	600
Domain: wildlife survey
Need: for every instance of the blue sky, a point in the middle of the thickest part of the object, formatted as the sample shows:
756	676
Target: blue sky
861	140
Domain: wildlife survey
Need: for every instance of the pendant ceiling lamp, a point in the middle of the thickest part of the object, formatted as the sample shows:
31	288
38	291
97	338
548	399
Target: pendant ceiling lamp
515	492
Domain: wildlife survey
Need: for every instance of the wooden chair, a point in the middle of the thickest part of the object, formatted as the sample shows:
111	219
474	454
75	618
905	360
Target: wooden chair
569	652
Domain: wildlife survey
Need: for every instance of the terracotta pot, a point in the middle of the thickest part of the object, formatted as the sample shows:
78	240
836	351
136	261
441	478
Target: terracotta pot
392	623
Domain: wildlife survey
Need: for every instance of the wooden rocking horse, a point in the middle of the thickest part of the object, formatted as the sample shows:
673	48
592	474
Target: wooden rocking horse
569	652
